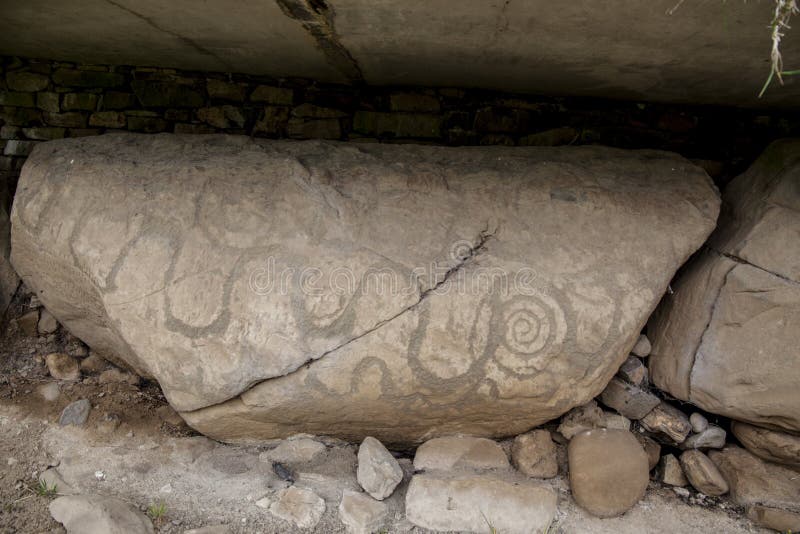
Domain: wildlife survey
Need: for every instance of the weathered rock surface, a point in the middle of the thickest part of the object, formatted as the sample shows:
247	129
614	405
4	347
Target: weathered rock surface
478	503
9	281
771	445
703	474
75	413
608	471
293	451
96	514
460	452
631	401
671	471
166	253
299	506
669	421
754	481
534	454
378	471
360	513
722	339
774	518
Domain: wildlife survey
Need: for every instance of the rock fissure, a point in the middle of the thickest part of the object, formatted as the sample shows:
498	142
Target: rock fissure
473	252
739	260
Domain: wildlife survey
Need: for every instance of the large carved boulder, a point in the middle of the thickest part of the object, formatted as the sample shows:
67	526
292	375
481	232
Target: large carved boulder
393	291
728	339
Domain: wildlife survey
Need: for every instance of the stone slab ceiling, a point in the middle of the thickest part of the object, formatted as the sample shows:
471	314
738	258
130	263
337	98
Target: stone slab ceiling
709	52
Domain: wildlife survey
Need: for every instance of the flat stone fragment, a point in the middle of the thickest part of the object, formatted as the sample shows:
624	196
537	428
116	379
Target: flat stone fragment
754	481
299	506
629	400
96	514
173	281
712	437
671	471
478	503
534	454
774	518
460	452
608	471
75	413
360	513
668	420
770	445
702	474
292	451
378	471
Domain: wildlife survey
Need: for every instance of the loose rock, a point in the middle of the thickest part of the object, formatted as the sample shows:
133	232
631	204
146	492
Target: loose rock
651	447
478	503
96	514
629	400
534	454
672	472
698	421
301	507
712	437
75	413
669	421
94	363
580	419
47	323
634	371
460	452
293	451
771	445
378	471
642	347
117	376
702	474
360	513
62	366
608	471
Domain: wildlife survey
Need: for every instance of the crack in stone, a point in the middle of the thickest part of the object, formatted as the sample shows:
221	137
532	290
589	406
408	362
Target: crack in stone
189	42
316	18
474	251
741	261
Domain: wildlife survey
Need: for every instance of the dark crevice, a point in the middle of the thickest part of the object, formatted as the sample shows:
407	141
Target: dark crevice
189	42
317	19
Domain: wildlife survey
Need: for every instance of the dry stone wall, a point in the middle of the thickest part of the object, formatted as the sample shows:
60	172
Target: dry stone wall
42	100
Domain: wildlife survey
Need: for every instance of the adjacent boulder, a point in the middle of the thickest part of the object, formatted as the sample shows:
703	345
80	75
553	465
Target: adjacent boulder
771	445
608	471
479	503
266	286
726	339
96	514
756	482
8	277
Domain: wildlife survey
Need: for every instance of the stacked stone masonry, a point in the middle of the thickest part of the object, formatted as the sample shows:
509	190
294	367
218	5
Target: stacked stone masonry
42	100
